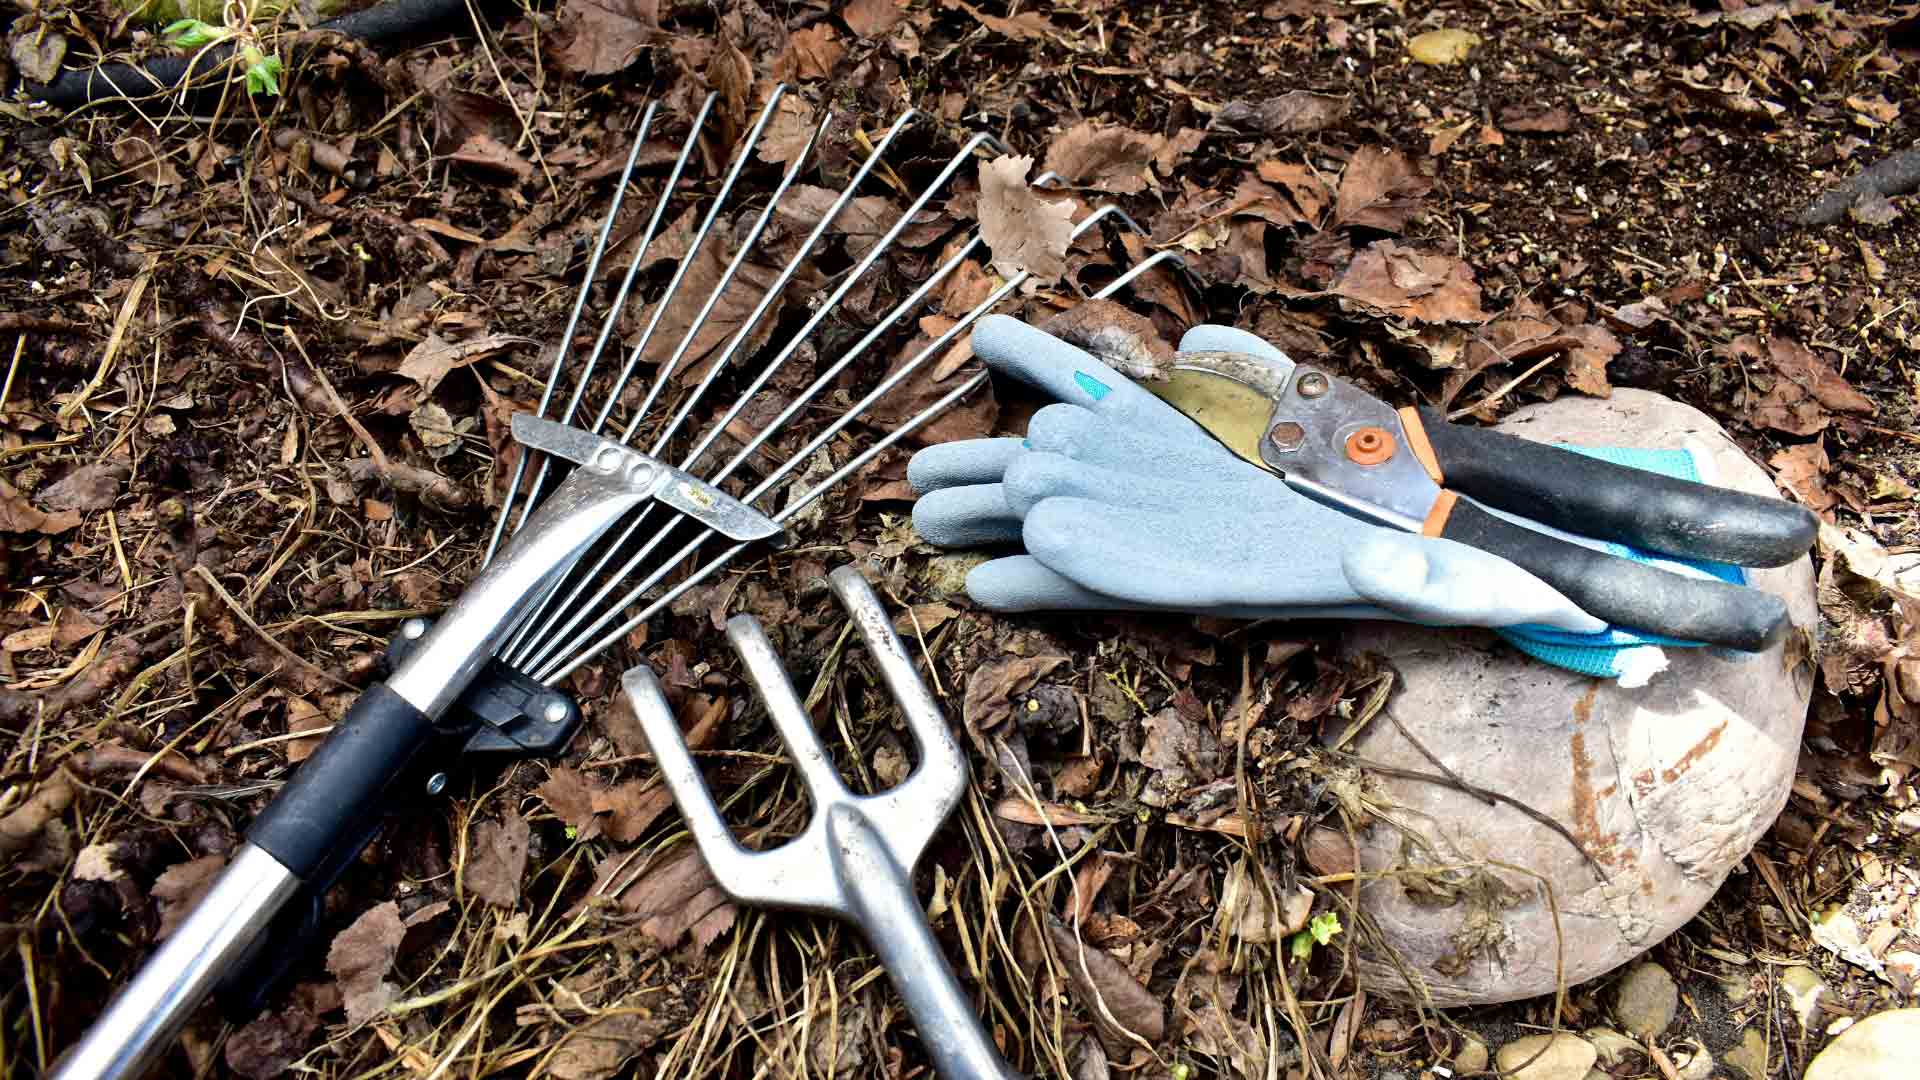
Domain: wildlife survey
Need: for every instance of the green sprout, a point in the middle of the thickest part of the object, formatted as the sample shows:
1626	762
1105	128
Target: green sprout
263	71
1320	930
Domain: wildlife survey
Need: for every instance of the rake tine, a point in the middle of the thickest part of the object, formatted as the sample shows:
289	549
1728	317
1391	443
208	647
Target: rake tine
789	716
531	625
937	347
680	274
573	321
626	287
526	640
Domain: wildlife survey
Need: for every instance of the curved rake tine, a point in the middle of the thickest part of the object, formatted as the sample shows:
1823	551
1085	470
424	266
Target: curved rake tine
529	622
937	347
626	286
573	322
528	639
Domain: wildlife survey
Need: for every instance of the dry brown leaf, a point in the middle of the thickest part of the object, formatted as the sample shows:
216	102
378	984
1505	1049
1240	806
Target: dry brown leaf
567	792
872	18
1442	47
498	859
1802	470
675	898
1310	193
787	134
812	53
992	686
1415	285
602	1046
275	1039
487	152
429	362
140	156
181	886
360	958
37	49
1105	988
743	293
630	808
304	715
1015	808
90	487
1024	232
1593	346
1381	189
17	515
1026	26
1105	157
600	37
1806	390
1296	112
1536	118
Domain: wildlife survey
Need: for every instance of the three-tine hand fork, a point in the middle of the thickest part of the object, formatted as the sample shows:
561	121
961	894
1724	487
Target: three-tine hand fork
855	859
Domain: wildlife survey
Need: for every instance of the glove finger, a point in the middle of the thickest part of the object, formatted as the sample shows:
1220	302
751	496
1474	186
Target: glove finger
1023	583
1189	560
1212	337
963	517
1447	584
1086	436
1072	375
969	461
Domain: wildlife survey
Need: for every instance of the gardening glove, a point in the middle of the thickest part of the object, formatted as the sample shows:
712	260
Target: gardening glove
1122	503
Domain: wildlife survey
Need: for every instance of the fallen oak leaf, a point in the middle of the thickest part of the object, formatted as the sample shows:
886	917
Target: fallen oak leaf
1105	157
1380	189
1026	26
360	958
1414	285
1025	233
17	515
600	37
872	18
499	859
1806	389
1802	470
812	53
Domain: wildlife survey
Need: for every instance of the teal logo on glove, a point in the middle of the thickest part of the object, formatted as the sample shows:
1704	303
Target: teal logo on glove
1094	387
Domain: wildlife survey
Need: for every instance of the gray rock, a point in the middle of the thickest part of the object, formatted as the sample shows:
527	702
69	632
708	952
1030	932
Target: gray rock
1881	1047
1664	788
1566	1057
1645	999
1751	1056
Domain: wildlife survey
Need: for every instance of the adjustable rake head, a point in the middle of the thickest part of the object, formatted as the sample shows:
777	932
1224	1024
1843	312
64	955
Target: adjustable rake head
652	555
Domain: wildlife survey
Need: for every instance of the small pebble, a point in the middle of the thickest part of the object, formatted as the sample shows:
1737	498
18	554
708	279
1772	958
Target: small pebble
1645	1000
1567	1057
1472	1057
1750	1057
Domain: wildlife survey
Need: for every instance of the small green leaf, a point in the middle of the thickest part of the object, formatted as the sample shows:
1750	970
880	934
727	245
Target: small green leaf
1324	926
192	33
1300	945
263	76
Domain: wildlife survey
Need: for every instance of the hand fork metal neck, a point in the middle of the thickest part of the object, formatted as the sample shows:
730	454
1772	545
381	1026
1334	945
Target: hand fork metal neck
855	859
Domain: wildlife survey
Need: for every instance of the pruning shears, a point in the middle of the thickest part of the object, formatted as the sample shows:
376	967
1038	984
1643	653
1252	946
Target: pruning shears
1409	468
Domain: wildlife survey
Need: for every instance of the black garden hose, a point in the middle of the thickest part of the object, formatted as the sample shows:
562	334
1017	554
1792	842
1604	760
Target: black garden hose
382	24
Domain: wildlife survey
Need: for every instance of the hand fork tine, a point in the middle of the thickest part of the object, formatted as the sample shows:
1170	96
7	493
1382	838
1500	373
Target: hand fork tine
855	859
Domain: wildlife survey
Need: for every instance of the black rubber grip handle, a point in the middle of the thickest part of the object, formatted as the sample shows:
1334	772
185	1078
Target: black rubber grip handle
341	789
1581	494
1628	594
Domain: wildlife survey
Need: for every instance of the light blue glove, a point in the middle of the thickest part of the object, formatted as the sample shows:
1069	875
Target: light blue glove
1122	503
1613	653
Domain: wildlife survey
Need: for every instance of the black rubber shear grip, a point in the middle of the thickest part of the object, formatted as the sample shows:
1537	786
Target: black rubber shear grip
1585	495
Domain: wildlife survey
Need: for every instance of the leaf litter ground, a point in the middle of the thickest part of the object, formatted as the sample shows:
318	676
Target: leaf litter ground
254	416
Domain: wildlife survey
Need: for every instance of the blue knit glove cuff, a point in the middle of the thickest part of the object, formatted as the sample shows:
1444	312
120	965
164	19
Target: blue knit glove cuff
1614	653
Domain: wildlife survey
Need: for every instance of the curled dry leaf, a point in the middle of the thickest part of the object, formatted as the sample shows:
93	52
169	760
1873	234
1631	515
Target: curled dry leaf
17	515
1124	339
567	792
89	487
1296	112
992	686
1106	157
1116	1000
787	133
674	898
1802	470
360	958
1536	118
1025	232
1026	26
602	1046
